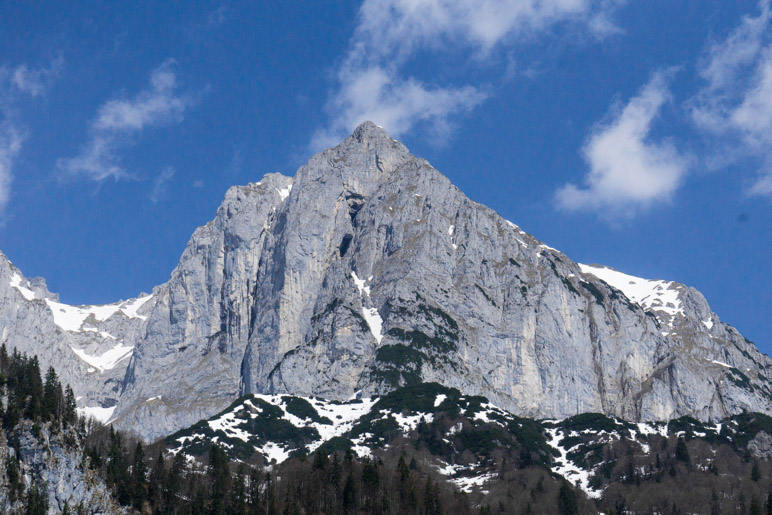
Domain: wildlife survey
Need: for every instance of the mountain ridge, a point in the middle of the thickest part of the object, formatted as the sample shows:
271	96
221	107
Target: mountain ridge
368	270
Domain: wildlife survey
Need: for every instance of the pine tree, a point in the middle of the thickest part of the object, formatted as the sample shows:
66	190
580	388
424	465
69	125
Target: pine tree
682	451
32	388
567	500
404	471
755	472
239	492
52	396
335	471
220	478
431	498
70	415
139	478
157	481
320	460
118	470
37	503
349	495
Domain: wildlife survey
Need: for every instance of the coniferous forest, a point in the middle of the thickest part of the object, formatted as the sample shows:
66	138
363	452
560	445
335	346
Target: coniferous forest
396	480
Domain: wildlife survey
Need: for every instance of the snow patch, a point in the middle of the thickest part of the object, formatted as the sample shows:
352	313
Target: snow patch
409	422
566	468
721	363
98	413
656	295
467	484
25	292
375	322
371	315
71	318
360	284
107	360
439	399
284	192
708	323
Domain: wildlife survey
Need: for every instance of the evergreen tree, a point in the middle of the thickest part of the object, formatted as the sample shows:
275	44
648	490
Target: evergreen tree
755	472
349	495
431	498
139	478
682	451
52	396
238	496
37	502
32	388
320	460
219	477
117	473
70	414
404	471
335	471
567	500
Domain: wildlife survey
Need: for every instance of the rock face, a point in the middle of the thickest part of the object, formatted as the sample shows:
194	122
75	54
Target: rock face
369	270
56	466
90	346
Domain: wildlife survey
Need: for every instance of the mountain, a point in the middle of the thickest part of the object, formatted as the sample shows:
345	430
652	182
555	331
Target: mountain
468	441
367	271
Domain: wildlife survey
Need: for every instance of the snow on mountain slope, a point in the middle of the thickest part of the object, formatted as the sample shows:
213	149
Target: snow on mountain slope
654	295
448	424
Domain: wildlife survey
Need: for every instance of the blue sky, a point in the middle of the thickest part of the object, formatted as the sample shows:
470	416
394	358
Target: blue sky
632	134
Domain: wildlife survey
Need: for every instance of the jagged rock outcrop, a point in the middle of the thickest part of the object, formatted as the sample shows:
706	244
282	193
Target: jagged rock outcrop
54	463
369	270
89	346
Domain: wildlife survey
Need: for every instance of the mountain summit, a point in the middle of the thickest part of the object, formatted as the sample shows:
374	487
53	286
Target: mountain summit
369	270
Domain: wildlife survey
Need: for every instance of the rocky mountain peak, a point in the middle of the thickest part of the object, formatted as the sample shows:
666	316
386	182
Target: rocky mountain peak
368	271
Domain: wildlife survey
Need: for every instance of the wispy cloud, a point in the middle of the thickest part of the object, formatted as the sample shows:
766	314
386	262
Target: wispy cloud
628	172
735	103
217	17
160	183
118	120
10	145
35	82
16	83
371	83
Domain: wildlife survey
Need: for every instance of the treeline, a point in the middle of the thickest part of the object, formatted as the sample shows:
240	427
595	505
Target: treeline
30	397
678	475
26	395
320	483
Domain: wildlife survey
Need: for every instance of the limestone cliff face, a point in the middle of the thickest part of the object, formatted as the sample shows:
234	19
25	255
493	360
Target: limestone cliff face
368	270
90	346
54	462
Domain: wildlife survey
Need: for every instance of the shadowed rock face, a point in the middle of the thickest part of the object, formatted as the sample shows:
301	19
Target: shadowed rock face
369	270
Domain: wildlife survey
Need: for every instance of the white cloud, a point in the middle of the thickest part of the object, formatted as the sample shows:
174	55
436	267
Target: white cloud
119	119
377	94
160	183
35	82
735	103
371	83
627	171
14	84
10	145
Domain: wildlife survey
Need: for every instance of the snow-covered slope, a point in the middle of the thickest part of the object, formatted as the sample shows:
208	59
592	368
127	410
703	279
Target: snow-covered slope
276	427
653	295
90	346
